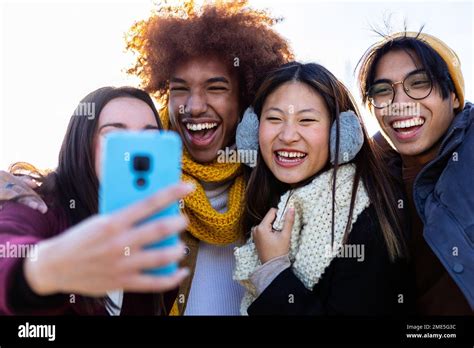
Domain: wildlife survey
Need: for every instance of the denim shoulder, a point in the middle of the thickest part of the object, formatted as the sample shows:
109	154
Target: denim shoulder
448	210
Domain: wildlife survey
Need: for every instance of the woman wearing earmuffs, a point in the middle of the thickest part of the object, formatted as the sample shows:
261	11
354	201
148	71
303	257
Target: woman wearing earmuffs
335	244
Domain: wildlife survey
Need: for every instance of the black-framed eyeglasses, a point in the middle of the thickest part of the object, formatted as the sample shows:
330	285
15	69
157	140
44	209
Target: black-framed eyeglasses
417	85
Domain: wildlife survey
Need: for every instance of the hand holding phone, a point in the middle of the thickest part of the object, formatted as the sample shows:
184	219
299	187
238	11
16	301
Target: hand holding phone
135	165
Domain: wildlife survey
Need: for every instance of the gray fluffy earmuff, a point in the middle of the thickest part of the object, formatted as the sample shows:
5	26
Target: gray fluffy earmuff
246	137
351	136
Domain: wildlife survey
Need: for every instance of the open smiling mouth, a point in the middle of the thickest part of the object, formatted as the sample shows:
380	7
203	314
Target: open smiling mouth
201	133
407	128
286	158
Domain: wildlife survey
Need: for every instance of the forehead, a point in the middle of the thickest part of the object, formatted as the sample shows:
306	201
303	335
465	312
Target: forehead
295	93
126	110
396	64
200	69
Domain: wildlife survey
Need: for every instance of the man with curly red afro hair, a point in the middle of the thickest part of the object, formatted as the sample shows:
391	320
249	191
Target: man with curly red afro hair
204	64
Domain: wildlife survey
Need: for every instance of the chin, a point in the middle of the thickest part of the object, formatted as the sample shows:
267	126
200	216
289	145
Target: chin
290	179
204	156
411	149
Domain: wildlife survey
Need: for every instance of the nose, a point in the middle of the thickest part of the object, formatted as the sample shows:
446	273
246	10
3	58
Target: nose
402	102
400	94
196	104
289	133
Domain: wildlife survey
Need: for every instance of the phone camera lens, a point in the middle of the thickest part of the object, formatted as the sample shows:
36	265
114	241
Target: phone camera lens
141	163
141	182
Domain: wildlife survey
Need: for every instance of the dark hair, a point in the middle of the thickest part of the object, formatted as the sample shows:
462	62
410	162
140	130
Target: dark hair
422	54
75	179
231	30
75	176
264	189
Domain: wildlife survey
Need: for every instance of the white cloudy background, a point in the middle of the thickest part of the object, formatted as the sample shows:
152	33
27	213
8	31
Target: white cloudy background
53	53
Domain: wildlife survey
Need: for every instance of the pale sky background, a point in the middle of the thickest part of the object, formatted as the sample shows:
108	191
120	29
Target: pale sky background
54	53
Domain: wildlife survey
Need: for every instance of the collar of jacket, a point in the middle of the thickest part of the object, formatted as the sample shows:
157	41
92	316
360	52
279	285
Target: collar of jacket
428	176
450	231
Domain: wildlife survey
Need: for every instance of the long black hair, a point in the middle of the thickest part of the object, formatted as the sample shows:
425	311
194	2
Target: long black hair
264	189
73	185
75	177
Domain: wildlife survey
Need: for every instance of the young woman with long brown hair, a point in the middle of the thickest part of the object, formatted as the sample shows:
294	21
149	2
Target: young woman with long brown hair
76	258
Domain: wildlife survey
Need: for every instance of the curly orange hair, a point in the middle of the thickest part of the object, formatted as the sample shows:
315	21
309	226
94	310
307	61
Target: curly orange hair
242	36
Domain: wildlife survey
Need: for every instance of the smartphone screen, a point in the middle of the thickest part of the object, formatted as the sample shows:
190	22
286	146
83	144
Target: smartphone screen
135	165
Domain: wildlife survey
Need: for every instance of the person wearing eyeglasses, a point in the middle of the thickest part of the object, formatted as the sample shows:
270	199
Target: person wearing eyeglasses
413	84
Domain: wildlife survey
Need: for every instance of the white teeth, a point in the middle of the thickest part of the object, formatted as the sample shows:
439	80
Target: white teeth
417	121
291	154
200	126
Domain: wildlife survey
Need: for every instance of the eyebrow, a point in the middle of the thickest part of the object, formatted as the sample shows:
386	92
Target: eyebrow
177	80
210	80
308	110
123	126
273	108
299	112
218	79
411	72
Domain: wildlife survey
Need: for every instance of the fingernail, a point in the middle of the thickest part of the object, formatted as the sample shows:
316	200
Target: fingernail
182	223
189	186
184	272
33	205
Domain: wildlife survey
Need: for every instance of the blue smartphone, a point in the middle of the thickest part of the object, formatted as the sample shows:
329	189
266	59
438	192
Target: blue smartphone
135	165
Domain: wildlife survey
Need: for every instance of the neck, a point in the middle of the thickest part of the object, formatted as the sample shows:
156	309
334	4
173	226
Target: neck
420	160
217	194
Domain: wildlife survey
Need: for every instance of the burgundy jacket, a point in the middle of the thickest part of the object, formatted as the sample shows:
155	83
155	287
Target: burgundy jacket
21	225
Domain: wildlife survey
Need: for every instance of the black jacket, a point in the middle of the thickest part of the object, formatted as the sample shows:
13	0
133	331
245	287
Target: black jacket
374	286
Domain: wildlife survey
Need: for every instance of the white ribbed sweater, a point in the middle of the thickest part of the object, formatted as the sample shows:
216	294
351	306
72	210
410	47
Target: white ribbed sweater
213	291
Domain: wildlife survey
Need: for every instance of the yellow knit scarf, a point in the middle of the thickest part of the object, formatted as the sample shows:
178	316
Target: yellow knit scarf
206	224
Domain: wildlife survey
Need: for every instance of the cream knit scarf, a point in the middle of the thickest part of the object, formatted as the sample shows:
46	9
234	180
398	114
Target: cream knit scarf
310	246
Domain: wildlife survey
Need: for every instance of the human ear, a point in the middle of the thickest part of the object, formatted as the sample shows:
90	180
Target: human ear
454	100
